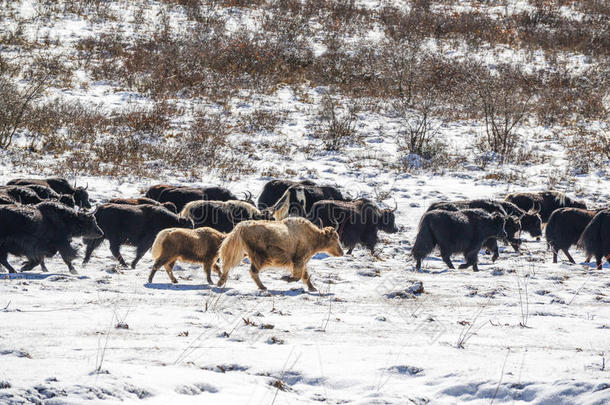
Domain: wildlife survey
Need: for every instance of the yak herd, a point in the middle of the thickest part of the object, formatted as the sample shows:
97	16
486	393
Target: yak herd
289	224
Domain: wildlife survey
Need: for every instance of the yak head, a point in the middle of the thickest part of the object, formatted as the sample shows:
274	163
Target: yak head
388	219
331	243
499	222
170	206
87	226
512	227
531	223
81	197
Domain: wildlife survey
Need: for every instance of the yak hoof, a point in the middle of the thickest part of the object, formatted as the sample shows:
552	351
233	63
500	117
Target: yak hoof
72	271
312	289
174	281
463	266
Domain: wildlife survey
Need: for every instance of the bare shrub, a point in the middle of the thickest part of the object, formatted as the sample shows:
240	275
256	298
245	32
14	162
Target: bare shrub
336	124
504	101
14	107
586	149
419	134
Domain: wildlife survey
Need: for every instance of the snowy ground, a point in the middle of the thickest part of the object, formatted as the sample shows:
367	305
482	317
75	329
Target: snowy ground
523	330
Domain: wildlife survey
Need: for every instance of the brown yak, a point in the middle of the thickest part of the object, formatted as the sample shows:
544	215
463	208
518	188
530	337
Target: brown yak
289	243
189	245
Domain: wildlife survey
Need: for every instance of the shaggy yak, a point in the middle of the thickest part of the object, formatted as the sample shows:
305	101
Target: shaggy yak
512	224
41	231
545	202
462	231
188	245
60	186
303	195
143	200
136	225
224	215
290	243
595	239
357	222
564	229
530	220
180	195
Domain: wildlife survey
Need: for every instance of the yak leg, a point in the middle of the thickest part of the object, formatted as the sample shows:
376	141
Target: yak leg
169	268
568	255
471	260
587	259
140	251
156	265
207	267
446	256
68	254
223	277
216	268
115	249
30	264
418	264
306	278
43	266
5	263
92	244
554	256
492	245
257	280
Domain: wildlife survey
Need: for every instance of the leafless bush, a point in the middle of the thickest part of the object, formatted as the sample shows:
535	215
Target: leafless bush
586	149
504	102
14	106
421	123
337	124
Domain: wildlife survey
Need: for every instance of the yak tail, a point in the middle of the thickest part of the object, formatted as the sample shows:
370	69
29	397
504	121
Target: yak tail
589	239
232	249
157	247
424	242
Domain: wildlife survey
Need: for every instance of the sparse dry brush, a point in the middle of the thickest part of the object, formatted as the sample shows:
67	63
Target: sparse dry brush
408	68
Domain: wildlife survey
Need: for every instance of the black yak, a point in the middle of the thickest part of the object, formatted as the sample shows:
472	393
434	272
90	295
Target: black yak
463	231
564	229
180	196
306	194
135	225
143	200
545	202
595	239
512	226
60	186
42	230
224	215
530	220
355	221
22	195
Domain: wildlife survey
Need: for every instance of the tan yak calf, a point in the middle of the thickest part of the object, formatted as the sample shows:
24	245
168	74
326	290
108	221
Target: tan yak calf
289	243
188	245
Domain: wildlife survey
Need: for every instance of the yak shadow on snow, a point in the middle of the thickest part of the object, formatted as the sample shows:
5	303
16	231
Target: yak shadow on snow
40	276
180	287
